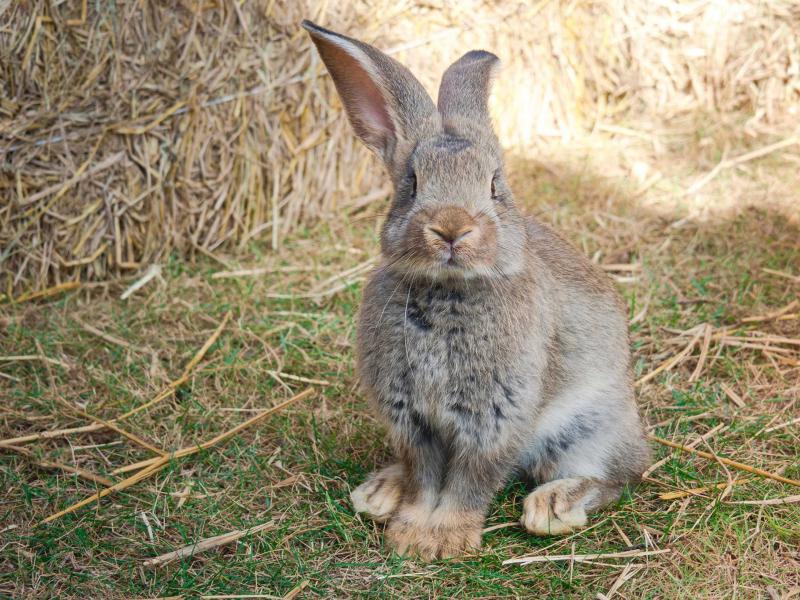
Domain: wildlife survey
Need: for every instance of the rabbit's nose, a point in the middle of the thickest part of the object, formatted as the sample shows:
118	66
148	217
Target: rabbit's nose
451	235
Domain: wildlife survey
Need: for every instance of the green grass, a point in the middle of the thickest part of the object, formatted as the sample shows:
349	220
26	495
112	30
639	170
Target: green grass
298	467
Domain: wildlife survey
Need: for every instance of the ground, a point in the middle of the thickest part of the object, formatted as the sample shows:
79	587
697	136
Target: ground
719	254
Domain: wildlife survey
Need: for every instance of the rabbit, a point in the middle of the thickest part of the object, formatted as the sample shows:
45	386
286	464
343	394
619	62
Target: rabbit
488	346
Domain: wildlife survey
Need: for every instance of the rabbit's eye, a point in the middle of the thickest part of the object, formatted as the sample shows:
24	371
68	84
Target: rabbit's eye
407	188
495	195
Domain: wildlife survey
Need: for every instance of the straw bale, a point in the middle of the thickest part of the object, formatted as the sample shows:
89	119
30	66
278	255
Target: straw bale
135	129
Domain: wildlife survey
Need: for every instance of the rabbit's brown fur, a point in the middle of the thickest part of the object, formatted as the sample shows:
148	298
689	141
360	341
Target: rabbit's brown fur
487	344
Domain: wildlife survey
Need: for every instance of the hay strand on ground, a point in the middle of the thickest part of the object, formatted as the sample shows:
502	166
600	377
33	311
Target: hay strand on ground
120	485
206	544
45	293
769	501
161	462
726	461
161	396
221	437
584	557
52	464
701	490
187	371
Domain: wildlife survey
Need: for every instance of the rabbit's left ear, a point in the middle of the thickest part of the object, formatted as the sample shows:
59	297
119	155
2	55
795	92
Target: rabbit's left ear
385	103
465	88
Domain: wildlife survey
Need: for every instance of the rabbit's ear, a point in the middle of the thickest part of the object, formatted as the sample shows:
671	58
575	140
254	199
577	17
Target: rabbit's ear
464	91
384	101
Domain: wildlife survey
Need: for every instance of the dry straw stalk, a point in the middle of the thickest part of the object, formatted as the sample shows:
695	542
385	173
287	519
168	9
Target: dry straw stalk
726	461
157	464
168	390
52	464
526	560
206	544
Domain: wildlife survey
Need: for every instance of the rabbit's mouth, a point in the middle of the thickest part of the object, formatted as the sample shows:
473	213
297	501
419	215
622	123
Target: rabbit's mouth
447	241
451	259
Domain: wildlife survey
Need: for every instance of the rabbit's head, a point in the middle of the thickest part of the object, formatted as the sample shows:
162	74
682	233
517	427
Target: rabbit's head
452	214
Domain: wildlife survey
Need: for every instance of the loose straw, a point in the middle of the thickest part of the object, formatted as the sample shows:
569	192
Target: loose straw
160	462
123	432
125	483
672	362
51	291
584	557
51	464
726	461
170	388
206	544
700	490
212	442
165	393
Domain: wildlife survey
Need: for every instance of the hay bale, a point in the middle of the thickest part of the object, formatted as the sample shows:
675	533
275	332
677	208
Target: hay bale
137	129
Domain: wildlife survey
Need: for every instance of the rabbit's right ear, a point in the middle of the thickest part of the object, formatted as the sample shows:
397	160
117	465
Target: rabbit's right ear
384	101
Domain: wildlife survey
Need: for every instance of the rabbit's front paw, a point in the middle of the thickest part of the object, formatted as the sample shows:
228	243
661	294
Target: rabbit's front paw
557	507
380	494
436	536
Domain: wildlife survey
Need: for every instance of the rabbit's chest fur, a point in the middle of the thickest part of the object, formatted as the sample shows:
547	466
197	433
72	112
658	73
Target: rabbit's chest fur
448	362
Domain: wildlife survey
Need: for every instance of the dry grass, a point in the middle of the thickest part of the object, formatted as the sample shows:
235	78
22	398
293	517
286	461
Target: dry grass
660	137
134	129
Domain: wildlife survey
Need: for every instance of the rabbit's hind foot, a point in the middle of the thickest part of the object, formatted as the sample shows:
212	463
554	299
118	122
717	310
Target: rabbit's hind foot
561	506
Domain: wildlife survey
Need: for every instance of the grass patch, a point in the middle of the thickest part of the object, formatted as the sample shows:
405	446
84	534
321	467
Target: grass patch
298	467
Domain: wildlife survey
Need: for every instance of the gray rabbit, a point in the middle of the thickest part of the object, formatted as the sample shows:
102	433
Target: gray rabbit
487	344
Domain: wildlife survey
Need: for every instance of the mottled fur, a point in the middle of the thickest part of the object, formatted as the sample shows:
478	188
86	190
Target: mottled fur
487	344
